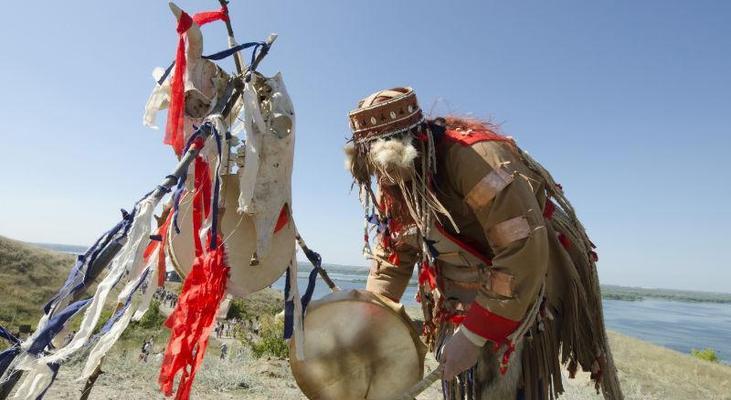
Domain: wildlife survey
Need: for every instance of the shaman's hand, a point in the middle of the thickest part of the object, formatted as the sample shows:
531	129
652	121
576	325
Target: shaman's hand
458	354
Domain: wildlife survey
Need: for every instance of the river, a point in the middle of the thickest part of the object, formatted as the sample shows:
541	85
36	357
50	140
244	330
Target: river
677	325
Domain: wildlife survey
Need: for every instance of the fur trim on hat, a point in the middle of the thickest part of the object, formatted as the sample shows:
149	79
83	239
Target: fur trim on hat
350	154
395	155
356	163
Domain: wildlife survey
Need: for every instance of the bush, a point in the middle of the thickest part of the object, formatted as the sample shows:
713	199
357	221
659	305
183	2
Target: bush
153	318
237	310
267	301
706	354
271	342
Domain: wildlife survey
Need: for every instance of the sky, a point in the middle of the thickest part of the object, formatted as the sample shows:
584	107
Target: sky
627	103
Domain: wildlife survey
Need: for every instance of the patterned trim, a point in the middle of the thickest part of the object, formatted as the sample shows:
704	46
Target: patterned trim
506	232
486	189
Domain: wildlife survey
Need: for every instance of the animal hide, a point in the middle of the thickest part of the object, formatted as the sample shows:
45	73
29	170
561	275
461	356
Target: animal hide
266	177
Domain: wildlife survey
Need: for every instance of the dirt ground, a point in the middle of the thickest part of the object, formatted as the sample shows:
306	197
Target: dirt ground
646	371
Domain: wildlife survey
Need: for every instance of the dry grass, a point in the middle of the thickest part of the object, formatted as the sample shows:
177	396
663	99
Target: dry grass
29	276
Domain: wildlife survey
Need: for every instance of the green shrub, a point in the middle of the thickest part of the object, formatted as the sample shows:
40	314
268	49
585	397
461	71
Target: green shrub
706	354
271	342
267	301
237	309
153	318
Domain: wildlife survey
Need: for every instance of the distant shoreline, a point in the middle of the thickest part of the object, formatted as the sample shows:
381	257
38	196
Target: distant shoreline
609	292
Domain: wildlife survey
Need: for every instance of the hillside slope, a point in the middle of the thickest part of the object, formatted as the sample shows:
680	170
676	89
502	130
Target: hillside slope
29	276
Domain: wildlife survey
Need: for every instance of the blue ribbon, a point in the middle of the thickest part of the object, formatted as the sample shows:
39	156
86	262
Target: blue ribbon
432	249
288	308
221	55
54	367
118	314
177	194
5	334
54	326
79	277
7	356
316	261
381	225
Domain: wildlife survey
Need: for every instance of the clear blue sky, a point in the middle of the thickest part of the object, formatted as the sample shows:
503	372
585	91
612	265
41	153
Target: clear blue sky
627	103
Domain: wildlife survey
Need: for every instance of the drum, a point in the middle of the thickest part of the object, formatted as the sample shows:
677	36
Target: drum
357	345
239	237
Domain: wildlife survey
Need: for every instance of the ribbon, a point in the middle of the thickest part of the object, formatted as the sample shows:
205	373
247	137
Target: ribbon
54	326
191	321
258	46
288	306
201	201
203	290
7	356
427	276
205	17
174	127
158	244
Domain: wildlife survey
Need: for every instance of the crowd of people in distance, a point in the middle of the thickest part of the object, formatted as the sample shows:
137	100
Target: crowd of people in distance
166	297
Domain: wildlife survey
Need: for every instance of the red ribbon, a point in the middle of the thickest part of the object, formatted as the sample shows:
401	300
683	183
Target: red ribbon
489	325
427	276
204	287
174	128
192	320
162	232
205	17
201	201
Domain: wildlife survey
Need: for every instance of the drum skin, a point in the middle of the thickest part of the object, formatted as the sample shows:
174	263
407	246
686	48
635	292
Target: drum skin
357	345
240	240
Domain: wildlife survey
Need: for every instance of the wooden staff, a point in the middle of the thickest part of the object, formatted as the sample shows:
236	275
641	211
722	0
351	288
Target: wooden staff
232	39
422	385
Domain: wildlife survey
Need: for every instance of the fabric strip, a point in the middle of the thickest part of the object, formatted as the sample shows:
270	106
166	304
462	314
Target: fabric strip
506	232
486	189
489	325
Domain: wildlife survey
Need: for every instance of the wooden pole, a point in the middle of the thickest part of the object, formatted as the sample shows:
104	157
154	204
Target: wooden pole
240	65
91	381
422	385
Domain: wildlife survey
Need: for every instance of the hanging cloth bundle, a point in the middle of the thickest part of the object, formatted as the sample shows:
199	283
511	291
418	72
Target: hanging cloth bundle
174	129
203	290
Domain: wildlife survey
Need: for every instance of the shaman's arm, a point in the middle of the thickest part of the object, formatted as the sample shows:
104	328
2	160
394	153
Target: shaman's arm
390	278
488	175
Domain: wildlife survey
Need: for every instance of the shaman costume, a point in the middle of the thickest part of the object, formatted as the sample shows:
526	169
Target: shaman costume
501	256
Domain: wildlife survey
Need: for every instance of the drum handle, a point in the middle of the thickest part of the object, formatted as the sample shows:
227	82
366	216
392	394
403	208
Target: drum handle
423	384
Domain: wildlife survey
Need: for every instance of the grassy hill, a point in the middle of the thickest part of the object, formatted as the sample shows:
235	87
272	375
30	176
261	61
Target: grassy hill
614	292
29	276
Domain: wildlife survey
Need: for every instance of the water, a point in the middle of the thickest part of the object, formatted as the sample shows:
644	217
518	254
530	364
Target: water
673	324
677	325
